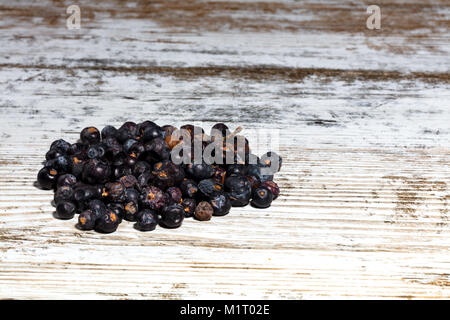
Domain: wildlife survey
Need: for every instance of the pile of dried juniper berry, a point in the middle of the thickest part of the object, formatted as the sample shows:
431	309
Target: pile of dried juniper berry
153	175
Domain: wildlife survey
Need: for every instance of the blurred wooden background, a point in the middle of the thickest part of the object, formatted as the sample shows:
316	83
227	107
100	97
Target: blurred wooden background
363	120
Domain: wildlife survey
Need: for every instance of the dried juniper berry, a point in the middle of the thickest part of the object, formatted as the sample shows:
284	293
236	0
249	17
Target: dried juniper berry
118	209
65	210
200	171
52	154
109	132
174	195
220	202
156	150
61	146
47	178
86	220
96	171
66	180
261	198
114	191
147	220
273	187
167	174
236	169
82	195
189	188
128	181
172	216
62	163
90	135
219	174
107	223
208	186
131	194
64	193
203	211
151	132
153	198
131	210
126	131
144	180
189	206
97	206
141	167
77	166
239	190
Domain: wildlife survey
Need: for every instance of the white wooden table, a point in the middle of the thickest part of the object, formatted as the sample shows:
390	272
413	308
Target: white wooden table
364	119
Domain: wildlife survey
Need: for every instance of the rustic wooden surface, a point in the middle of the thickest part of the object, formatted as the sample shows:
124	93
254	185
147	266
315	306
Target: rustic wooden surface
364	130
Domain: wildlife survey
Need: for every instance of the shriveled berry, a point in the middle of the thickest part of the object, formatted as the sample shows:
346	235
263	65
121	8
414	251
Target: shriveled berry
65	210
86	220
261	198
204	211
131	210
128	181
147	220
144	180
115	191
96	171
174	195
208	186
107	223
221	204
153	198
90	135
47	178
118	209
189	188
172	216
189	206
273	187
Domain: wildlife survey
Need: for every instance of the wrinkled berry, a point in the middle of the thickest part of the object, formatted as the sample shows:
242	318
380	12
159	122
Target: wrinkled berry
204	211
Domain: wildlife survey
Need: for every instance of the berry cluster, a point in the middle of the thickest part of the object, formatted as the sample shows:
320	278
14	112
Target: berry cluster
131	174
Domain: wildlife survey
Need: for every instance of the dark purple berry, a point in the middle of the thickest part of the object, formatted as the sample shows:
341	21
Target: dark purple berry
147	220
172	216
220	203
86	220
65	210
90	135
107	223
189	206
47	178
261	198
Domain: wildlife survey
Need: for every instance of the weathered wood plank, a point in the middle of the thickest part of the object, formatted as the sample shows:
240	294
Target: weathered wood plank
363	120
